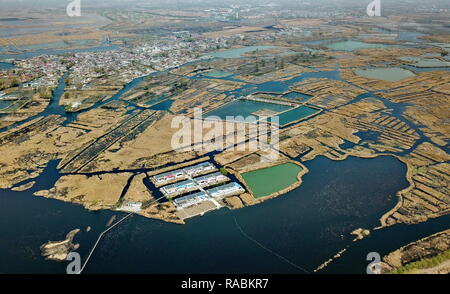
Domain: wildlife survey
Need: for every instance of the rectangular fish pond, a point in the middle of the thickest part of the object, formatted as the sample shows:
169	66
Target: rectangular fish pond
295	114
245	108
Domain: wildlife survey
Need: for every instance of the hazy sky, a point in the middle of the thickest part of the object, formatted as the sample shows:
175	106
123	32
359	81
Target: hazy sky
49	4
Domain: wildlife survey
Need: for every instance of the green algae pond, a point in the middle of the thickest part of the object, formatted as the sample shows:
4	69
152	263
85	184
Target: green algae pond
392	74
266	181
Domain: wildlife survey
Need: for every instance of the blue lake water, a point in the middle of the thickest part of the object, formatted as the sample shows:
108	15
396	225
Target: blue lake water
273	86
307	226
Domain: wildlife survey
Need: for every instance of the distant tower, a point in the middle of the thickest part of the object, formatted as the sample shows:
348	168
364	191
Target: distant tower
235	11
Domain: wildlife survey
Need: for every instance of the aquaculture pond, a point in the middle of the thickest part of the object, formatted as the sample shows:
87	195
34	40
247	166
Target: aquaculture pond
295	114
266	181
217	74
238	52
392	74
426	62
273	87
410	36
164	105
353	46
245	108
4	104
318	42
297	96
401	35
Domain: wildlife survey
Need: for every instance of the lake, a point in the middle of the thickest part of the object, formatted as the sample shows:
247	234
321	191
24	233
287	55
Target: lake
307	226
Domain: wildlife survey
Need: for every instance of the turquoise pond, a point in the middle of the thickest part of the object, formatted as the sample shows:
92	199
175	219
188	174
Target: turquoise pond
217	74
237	53
392	74
295	114
353	46
245	108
